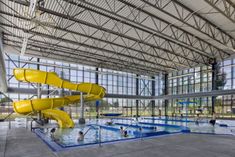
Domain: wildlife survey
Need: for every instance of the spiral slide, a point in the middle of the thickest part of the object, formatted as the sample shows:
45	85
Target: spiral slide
48	106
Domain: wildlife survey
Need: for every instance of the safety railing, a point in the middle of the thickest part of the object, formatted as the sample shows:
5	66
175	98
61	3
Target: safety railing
96	127
8	118
136	122
100	136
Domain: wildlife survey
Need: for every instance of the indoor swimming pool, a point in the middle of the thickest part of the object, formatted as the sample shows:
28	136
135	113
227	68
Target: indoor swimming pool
98	132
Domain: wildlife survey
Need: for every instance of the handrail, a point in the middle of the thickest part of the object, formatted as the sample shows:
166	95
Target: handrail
28	116
5	118
6	96
140	127
100	136
32	120
136	122
31	123
91	126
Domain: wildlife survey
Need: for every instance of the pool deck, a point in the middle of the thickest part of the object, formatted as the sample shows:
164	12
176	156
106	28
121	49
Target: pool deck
19	142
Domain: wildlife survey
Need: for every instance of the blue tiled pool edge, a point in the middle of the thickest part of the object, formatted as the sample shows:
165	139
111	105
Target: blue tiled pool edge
51	145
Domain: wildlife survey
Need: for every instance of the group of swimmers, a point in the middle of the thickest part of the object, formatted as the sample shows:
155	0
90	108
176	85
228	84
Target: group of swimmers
123	131
81	135
212	121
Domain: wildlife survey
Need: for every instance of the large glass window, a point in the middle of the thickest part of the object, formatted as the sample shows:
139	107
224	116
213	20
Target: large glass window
198	79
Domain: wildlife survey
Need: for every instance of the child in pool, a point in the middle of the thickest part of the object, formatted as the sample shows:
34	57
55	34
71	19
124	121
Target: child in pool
52	133
213	120
123	132
81	136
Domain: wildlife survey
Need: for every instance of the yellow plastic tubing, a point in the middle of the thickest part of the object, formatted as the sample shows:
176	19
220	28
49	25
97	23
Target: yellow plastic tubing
47	105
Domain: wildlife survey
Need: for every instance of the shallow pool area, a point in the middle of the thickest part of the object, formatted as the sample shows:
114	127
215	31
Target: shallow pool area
223	127
99	132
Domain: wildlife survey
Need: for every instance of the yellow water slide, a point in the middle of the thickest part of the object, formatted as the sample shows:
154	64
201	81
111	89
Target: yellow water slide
48	106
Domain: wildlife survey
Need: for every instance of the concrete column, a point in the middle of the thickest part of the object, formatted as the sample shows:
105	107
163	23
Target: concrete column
153	94
214	86
97	82
82	119
166	102
137	93
39	92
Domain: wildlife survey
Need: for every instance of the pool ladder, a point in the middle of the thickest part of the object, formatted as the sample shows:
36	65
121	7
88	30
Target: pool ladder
140	129
99	135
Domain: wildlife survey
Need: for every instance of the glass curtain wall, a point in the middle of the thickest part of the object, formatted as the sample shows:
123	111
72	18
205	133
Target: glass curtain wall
192	80
115	82
225	105
199	79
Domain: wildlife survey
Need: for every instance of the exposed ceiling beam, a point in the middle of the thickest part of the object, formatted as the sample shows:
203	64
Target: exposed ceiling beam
131	23
194	20
71	18
95	60
98	39
88	46
225	7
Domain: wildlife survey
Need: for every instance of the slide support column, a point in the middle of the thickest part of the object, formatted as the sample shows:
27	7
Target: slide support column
39	92
82	119
97	102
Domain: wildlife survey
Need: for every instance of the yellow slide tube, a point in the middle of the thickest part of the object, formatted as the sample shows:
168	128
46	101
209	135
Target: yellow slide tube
47	105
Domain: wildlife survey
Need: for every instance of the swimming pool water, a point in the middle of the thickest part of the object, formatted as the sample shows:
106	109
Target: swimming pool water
98	132
202	127
69	137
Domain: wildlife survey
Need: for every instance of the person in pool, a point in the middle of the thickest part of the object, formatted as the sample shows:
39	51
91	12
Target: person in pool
197	119
80	136
213	120
155	128
123	132
52	134
109	122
